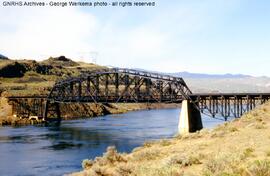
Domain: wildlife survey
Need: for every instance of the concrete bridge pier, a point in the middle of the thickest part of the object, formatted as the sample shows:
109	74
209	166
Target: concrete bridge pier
190	118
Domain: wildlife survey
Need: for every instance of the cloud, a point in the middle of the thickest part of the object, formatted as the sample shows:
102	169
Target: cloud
41	32
122	39
196	36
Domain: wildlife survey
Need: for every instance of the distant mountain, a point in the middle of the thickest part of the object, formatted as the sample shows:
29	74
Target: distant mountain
186	74
202	75
225	83
2	57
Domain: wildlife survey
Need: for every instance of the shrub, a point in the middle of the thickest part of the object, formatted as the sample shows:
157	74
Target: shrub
183	160
233	129
124	169
165	142
248	152
259	119
222	165
204	132
259	168
218	134
147	154
86	164
268	153
255	114
260	126
111	156
148	144
264	109
164	171
98	171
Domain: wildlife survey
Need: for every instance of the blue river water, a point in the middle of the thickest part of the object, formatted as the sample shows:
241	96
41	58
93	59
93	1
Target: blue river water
36	150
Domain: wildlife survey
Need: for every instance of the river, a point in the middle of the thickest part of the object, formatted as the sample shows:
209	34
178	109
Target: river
35	150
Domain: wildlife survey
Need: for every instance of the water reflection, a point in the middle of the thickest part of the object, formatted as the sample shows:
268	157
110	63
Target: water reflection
65	137
55	150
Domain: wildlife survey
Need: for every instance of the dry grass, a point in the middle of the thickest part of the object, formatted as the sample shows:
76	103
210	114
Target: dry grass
259	168
33	81
236	148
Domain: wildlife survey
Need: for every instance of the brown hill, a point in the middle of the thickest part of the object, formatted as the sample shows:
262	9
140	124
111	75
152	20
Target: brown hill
28	77
60	61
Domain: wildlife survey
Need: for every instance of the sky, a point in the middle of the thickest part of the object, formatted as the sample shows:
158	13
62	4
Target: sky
201	36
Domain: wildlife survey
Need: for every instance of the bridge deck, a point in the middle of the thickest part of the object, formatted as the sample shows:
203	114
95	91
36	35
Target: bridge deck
193	96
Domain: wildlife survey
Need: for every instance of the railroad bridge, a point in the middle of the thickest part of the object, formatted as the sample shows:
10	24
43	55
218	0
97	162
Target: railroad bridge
133	86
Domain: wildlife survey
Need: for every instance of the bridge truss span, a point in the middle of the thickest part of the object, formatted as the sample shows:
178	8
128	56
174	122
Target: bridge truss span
120	85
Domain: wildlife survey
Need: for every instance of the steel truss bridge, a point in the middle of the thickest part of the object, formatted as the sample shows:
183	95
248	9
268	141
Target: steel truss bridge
133	86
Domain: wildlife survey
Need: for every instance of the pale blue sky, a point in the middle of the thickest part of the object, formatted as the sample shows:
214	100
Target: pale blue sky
208	36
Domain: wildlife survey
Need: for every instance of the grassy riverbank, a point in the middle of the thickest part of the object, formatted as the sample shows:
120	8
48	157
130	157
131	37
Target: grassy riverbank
235	148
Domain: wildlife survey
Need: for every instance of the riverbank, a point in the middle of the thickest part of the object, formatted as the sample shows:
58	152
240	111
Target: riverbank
240	147
77	111
86	110
30	77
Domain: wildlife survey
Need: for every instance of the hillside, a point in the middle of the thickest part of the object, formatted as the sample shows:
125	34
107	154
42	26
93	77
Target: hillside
236	148
28	77
2	57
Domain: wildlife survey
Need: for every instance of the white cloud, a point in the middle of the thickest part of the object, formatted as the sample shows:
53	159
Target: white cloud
41	32
175	36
